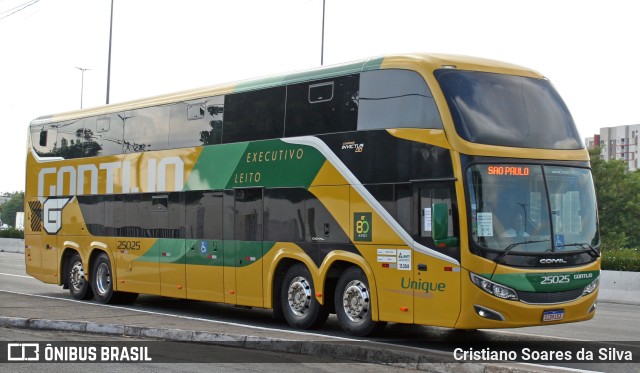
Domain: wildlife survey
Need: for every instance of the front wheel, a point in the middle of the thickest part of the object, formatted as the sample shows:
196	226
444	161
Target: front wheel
299	305
353	304
76	278
102	283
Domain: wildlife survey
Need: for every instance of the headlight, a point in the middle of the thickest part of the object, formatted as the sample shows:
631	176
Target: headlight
491	287
591	287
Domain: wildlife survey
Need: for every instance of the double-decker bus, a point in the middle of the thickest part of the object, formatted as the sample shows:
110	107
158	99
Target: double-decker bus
421	189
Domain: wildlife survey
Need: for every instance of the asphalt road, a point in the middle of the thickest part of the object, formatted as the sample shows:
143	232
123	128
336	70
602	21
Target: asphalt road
616	325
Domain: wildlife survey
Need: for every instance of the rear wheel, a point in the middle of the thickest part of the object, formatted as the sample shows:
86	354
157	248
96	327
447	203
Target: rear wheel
102	283
78	285
299	305
353	304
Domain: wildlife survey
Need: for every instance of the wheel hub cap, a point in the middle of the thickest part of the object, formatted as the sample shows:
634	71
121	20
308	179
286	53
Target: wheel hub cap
77	276
299	296
103	279
355	301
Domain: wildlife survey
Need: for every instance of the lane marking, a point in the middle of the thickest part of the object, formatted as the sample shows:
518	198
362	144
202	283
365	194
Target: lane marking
182	317
12	275
562	368
272	329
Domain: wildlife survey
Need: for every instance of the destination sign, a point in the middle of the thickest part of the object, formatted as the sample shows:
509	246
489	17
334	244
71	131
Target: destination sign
508	170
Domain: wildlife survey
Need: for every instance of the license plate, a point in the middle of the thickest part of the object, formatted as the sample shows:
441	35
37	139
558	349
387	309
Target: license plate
554	315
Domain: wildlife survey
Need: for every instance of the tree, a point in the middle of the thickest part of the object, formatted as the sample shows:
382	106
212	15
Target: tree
618	201
9	209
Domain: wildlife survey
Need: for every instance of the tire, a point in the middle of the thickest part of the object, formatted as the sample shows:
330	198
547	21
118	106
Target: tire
353	304
79	287
102	283
299	305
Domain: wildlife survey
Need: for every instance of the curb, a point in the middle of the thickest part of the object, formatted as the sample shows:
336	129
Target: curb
431	361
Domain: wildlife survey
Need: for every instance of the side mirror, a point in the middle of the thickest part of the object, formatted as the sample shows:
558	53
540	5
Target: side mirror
440	226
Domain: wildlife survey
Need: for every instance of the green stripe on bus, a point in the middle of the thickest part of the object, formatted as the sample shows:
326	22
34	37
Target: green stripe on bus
268	163
179	251
275	163
299	77
215	166
547	282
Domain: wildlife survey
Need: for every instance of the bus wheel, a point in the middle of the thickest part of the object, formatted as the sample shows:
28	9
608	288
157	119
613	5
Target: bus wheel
78	285
297	296
101	279
102	283
353	304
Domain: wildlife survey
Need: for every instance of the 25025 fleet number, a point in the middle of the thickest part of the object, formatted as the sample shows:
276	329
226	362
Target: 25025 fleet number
129	245
558	279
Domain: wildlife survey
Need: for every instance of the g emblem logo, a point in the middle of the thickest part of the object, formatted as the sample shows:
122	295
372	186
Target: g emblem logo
52	210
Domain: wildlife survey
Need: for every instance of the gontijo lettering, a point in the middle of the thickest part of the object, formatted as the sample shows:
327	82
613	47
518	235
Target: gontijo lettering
72	179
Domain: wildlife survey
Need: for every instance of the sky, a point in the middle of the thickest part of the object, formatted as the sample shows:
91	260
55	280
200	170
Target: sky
587	48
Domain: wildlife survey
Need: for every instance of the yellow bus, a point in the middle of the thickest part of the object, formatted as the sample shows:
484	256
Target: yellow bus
422	189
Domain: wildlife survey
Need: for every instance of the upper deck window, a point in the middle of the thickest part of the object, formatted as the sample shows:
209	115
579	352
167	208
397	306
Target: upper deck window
508	110
254	115
396	99
322	106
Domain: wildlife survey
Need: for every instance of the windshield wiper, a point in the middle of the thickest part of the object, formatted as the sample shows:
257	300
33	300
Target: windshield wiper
514	245
585	247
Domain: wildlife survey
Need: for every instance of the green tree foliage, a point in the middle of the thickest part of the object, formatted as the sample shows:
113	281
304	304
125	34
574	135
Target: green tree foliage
8	209
12	233
618	195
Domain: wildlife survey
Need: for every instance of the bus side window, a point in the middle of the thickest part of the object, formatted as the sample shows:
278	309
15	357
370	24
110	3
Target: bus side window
46	139
322	106
320	92
396	99
436	224
43	138
254	115
70	139
108	138
146	129
203	215
196	122
284	214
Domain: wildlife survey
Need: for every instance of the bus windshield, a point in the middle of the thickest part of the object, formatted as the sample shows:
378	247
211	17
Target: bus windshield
508	110
532	208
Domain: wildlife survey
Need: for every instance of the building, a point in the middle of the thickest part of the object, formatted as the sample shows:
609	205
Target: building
619	143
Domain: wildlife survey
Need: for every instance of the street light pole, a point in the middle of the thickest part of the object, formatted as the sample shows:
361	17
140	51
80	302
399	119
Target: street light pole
109	62
322	45
82	84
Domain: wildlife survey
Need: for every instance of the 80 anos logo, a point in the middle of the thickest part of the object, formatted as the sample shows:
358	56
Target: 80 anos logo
362	226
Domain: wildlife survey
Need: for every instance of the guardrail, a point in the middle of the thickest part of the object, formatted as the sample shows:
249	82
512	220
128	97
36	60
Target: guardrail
11	245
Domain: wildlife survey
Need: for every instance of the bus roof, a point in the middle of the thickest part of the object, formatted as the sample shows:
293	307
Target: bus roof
415	61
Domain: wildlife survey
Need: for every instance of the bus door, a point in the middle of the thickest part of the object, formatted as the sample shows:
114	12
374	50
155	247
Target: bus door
243	253
436	282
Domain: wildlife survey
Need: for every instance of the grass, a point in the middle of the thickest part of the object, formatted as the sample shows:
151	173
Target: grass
621	260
